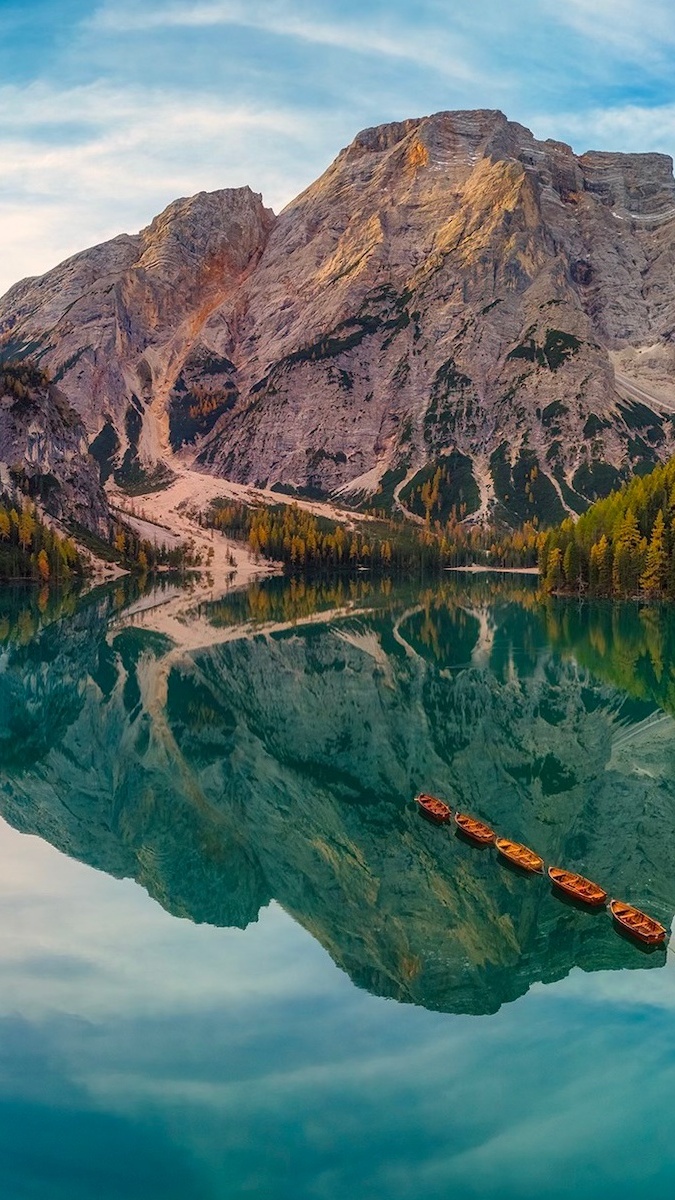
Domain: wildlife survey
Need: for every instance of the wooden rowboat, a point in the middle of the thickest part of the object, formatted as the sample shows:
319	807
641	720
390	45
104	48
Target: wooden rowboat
478	831
520	856
433	808
578	887
638	923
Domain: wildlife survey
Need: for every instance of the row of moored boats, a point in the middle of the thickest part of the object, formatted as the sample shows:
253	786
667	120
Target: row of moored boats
630	919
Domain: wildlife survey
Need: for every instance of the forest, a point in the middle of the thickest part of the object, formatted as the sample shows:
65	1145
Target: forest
139	554
31	550
303	541
622	546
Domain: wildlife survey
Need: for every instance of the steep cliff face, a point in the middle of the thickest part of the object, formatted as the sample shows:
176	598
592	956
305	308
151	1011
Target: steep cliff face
451	293
117	323
43	450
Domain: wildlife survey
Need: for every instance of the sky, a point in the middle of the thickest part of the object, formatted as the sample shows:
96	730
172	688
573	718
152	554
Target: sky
111	109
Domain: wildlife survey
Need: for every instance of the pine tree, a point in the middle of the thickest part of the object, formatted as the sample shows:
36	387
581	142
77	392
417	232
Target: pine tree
554	572
653	578
594	569
605	565
26	528
628	562
43	566
572	565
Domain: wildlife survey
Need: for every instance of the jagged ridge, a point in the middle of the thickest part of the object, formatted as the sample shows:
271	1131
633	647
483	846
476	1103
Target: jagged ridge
450	292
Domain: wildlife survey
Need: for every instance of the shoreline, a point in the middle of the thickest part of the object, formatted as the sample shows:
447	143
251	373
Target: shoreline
172	515
476	569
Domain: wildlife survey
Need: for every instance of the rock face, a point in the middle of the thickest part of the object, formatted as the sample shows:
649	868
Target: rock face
119	325
43	450
451	293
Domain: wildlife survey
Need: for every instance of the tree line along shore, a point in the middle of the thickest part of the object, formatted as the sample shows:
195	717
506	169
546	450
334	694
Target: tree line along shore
302	541
623	546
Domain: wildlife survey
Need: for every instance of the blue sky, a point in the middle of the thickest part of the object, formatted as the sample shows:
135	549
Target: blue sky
109	110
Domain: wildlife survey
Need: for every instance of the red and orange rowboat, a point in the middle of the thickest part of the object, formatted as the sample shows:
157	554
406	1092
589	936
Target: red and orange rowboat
577	886
520	856
433	808
478	831
638	923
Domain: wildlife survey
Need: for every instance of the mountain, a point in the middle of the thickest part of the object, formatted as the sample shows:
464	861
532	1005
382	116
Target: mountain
118	324
451	293
284	767
44	452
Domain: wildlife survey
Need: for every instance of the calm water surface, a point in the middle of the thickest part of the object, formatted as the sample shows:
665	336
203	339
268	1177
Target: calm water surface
234	962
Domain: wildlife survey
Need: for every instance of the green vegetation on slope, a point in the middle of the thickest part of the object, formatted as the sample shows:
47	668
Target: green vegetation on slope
305	542
556	349
29	549
524	491
443	487
194	407
622	546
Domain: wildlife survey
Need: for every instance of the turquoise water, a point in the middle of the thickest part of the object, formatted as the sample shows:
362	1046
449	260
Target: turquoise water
234	961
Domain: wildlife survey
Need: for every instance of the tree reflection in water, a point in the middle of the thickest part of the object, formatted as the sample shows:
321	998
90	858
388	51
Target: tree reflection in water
283	762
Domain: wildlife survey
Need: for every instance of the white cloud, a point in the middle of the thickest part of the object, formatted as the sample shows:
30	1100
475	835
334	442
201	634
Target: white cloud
85	163
61	907
438	49
638	31
631	128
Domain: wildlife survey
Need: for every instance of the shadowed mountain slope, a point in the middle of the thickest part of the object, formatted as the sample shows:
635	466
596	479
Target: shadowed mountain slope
43	450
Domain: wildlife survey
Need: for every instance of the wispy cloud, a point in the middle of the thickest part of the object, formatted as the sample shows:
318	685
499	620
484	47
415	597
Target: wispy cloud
636	30
445	51
130	112
84	163
631	128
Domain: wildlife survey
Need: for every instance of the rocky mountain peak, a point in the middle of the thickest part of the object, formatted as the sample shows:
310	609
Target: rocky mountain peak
232	223
641	184
451	295
380	138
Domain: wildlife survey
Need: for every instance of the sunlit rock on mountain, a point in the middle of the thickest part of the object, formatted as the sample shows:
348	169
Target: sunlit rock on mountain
451	292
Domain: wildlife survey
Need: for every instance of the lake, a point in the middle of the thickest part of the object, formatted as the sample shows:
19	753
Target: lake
234	960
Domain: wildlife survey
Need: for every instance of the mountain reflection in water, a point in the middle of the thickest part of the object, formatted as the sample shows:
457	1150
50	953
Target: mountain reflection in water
282	764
